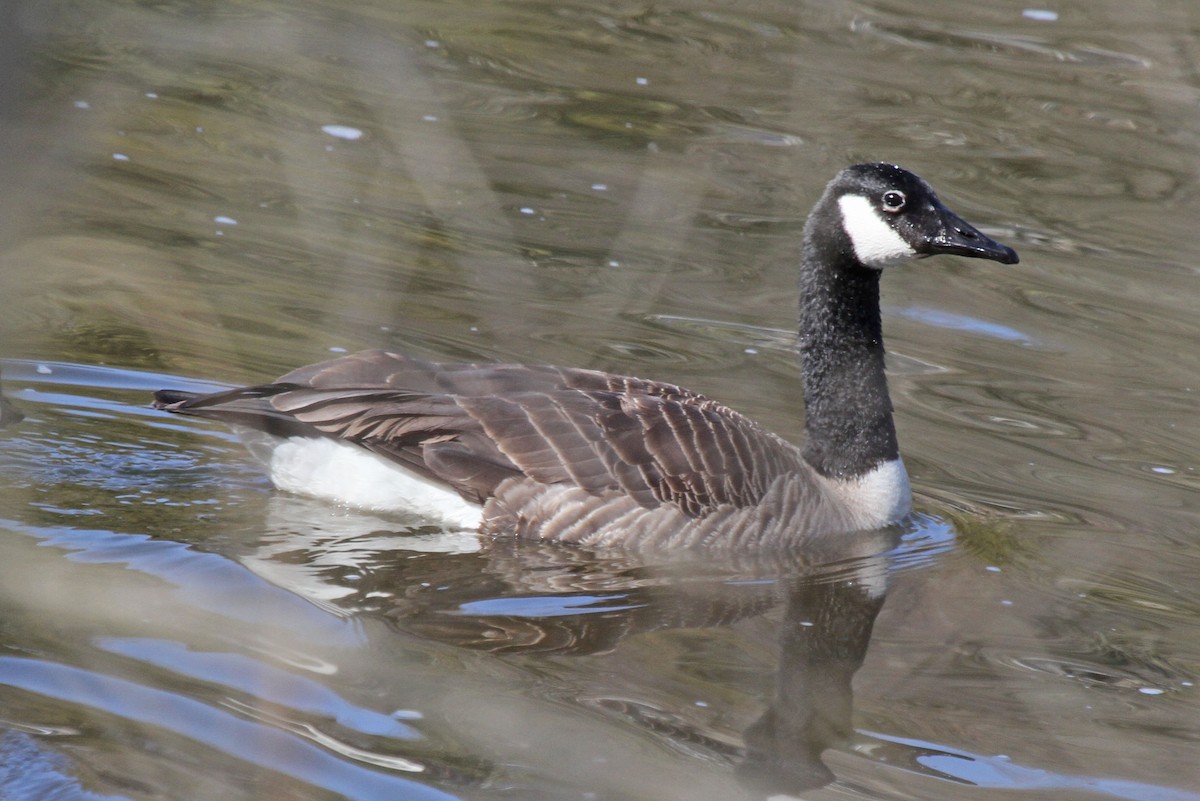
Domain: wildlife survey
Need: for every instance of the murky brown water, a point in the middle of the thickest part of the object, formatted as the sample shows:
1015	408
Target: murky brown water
229	190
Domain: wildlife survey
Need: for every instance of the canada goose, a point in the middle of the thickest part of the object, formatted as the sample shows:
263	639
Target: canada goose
588	457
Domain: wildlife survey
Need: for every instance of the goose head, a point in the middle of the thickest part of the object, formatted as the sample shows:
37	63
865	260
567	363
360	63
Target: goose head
887	216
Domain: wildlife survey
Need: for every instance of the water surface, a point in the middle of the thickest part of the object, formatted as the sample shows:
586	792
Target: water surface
201	194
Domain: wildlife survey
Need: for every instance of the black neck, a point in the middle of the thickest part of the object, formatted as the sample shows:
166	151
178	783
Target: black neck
848	414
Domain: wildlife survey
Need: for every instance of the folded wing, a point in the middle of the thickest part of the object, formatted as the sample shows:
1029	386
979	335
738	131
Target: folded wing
474	426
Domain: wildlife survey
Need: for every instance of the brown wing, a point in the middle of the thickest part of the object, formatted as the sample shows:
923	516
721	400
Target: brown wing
473	426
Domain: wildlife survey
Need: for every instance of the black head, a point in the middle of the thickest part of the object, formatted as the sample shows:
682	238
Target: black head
889	215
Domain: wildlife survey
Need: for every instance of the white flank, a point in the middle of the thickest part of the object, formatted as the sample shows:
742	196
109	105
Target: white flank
875	242
344	473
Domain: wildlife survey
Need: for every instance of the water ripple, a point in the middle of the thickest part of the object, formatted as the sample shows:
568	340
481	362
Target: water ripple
257	680
1000	772
209	726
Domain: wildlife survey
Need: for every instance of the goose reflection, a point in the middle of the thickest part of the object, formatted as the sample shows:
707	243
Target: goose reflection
542	600
513	597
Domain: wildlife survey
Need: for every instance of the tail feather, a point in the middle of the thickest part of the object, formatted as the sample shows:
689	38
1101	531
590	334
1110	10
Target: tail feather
248	406
165	398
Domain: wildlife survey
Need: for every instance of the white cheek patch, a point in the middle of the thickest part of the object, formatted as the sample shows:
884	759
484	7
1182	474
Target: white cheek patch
876	244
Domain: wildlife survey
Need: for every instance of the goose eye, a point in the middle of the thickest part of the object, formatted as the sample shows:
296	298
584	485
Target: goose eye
893	201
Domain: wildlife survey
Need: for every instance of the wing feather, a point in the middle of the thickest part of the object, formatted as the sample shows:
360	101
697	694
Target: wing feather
475	426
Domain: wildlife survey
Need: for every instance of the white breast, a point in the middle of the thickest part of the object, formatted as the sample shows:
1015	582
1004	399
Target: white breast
344	473
878	498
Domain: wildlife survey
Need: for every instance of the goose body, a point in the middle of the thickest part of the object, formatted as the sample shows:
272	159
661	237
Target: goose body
593	458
